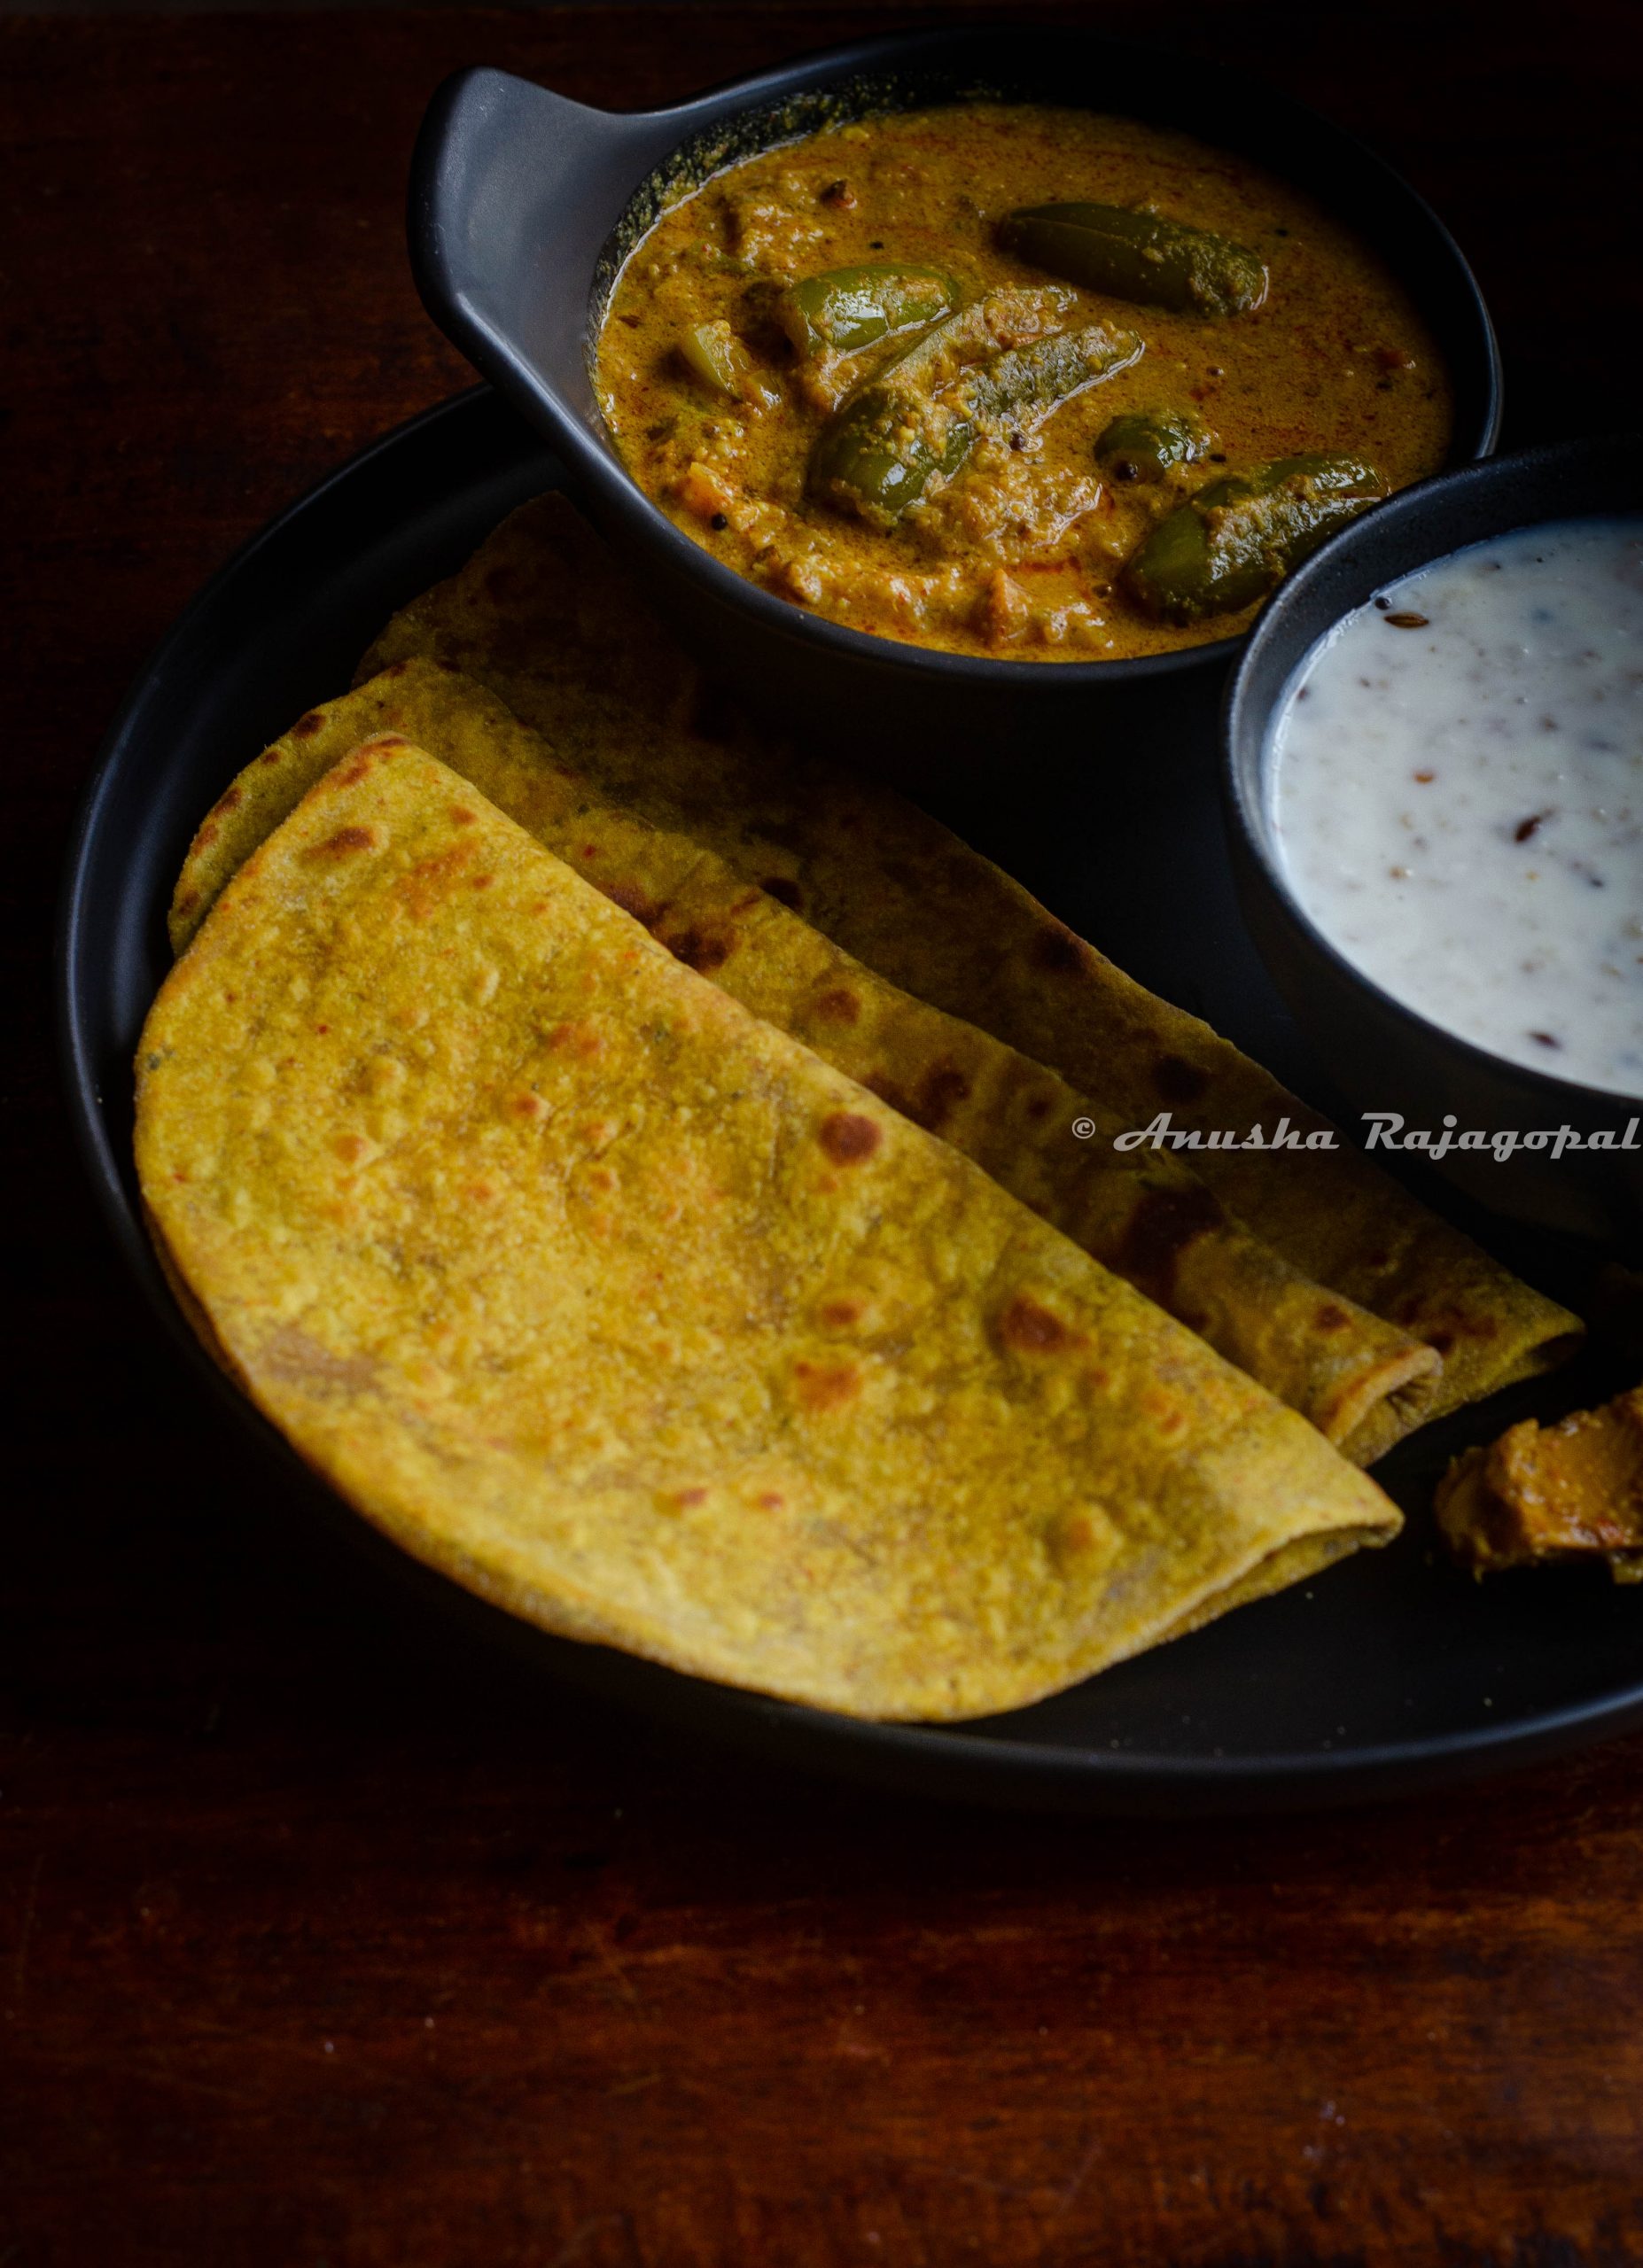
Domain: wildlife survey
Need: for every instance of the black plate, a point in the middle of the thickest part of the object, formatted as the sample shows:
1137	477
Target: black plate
1391	1673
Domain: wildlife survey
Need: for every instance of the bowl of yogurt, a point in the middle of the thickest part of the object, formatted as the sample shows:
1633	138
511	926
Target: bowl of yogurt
1434	786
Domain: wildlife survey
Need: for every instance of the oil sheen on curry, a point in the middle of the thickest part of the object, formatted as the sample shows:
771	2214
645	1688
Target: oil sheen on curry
1014	380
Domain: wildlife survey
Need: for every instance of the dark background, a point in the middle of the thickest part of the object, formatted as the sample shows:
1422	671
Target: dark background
327	1938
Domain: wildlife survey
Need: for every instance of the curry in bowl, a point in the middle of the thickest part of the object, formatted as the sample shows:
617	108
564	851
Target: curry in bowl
1014	380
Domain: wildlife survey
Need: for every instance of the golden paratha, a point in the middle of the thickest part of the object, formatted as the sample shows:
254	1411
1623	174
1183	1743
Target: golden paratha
620	1306
1146	1216
543	617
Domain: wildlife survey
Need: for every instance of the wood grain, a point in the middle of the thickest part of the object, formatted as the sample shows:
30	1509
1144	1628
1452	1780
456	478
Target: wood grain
325	1938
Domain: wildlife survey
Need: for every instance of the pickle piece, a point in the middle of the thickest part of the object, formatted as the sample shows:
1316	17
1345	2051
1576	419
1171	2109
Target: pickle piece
1143	444
846	310
1137	256
713	352
1228	545
914	425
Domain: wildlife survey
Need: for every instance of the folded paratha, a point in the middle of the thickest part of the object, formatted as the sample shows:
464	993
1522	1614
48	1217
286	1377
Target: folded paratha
1146	1216
617	1304
543	617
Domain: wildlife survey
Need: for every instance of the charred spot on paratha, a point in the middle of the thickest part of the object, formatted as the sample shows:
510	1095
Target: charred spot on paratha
848	1137
346	840
702	950
1178	1081
1031	1328
1158	1232
826	1385
1058	950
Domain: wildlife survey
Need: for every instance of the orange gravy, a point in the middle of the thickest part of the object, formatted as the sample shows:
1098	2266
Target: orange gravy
1018	557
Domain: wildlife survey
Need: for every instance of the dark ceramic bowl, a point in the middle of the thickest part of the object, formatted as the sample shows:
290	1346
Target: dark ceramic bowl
1382	1055
524	206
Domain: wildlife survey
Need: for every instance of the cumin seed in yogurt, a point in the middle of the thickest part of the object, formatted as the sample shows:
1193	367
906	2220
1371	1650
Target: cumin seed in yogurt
1458	795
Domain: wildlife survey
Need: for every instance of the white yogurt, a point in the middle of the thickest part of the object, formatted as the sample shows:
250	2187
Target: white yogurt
1458	795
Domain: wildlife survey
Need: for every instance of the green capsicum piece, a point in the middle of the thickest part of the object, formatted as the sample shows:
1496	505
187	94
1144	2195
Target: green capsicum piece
914	425
712	353
1143	444
1228	545
1137	256
846	310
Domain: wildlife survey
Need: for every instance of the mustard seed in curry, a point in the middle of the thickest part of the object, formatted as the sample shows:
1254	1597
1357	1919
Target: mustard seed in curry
1014	380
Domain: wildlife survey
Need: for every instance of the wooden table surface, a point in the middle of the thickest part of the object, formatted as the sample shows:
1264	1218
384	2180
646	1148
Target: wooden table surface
325	1941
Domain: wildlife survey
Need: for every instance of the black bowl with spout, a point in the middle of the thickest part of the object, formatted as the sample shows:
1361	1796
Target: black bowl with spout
525	205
